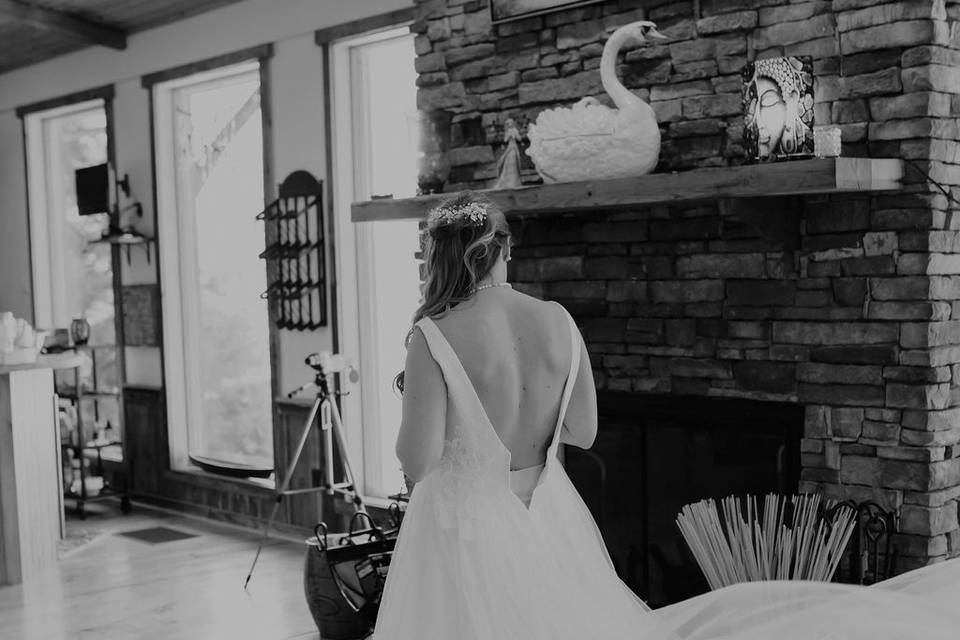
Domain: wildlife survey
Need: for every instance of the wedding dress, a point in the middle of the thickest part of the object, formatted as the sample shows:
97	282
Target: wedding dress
486	553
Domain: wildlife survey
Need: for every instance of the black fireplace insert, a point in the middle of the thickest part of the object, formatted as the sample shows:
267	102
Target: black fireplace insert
655	453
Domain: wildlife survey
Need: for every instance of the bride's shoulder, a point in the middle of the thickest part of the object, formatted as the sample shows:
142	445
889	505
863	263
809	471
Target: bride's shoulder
534	302
548	315
548	309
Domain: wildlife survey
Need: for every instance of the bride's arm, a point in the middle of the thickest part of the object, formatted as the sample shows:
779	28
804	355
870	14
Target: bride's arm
420	442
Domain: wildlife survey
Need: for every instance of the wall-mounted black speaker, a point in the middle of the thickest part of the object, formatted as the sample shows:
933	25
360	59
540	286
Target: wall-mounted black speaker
93	189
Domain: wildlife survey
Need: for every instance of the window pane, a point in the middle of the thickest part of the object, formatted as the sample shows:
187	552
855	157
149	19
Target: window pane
85	271
220	191
397	281
391	90
81	272
391	96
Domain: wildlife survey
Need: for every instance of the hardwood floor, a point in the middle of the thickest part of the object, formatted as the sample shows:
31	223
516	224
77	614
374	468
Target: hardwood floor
119	587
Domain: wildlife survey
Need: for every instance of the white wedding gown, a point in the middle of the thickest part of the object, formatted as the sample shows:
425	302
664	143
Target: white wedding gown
489	554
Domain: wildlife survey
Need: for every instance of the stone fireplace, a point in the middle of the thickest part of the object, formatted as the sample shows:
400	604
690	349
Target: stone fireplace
842	311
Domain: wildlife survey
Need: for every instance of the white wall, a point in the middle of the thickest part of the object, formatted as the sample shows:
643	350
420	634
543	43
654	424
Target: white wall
296	74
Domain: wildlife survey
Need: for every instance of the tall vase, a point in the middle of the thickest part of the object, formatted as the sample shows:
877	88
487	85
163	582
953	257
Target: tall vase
433	141
80	331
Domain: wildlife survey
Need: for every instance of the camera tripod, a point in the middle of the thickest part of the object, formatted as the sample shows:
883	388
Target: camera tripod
331	427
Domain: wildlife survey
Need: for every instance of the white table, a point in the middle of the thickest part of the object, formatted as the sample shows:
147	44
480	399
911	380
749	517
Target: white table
31	495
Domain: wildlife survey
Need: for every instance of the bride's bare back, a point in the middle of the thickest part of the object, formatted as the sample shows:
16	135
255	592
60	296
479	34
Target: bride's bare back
515	350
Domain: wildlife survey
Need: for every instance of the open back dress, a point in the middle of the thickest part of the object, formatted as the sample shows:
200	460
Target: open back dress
489	554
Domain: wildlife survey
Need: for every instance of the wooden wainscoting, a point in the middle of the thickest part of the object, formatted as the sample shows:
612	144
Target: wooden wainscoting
216	497
145	432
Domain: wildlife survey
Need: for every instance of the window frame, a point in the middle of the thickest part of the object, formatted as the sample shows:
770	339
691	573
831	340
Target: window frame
46	285
348	145
160	86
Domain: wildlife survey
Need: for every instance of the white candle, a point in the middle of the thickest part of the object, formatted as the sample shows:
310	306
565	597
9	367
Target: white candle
826	141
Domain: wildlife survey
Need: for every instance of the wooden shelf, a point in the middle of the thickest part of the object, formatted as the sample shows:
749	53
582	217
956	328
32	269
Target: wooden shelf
70	393
797	177
46	361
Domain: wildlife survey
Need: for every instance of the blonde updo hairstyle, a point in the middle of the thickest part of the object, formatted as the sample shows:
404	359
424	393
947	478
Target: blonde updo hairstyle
460	247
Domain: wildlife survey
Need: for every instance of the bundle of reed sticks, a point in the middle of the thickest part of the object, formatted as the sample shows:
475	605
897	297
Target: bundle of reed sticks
790	539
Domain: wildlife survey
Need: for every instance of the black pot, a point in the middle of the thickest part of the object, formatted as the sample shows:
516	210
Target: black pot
334	618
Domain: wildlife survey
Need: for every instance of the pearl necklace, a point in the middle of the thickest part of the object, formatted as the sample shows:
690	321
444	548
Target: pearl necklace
491	285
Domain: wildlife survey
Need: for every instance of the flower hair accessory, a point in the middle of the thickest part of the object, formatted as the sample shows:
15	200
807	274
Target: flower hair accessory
472	213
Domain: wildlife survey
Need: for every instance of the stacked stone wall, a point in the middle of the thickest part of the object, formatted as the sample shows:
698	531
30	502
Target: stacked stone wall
696	300
849	305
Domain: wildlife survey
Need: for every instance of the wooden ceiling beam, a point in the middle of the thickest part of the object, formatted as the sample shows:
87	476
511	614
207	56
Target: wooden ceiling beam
64	23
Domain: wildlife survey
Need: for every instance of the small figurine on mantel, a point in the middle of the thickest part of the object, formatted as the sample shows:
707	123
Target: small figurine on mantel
508	166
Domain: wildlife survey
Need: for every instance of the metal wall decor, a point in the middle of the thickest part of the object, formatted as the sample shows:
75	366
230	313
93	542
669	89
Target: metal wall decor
296	267
778	108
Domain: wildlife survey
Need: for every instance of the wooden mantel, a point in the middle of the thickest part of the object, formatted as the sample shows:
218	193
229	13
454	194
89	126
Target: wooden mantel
826	175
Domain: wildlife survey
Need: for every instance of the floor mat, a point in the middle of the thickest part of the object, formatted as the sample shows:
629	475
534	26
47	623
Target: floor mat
156	535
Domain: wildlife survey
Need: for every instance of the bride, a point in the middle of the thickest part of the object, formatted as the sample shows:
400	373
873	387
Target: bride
497	544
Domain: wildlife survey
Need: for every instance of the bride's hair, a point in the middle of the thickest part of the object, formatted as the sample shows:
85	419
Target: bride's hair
464	237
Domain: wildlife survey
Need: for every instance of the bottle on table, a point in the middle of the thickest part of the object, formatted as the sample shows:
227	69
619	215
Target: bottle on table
8	331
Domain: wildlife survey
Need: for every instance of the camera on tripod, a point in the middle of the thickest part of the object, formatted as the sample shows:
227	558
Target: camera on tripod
328	363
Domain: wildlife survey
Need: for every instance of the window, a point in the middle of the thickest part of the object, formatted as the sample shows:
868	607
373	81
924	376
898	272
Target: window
209	160
73	275
375	133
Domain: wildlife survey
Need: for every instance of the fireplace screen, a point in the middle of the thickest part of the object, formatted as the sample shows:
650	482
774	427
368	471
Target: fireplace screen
653	454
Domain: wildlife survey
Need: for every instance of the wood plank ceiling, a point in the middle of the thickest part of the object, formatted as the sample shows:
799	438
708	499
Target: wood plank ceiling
32	31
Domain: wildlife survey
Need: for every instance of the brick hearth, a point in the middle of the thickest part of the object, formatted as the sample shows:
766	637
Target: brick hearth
847	305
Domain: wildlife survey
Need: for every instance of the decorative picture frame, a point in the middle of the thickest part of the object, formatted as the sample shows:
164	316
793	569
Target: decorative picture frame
509	10
778	103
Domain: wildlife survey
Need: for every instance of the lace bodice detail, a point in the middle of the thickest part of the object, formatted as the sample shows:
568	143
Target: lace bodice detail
467	474
464	454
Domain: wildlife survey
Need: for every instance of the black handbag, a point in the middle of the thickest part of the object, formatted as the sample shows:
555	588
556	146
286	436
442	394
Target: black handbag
358	562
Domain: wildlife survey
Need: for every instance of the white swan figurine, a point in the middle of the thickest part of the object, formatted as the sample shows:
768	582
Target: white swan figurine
592	141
